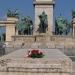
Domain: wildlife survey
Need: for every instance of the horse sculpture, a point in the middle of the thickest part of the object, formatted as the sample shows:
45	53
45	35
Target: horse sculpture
62	27
25	26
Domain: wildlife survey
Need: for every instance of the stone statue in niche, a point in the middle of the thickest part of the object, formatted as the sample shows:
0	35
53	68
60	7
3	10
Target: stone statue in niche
43	23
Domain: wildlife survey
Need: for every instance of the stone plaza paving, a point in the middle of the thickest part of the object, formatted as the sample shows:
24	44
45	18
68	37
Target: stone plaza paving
53	63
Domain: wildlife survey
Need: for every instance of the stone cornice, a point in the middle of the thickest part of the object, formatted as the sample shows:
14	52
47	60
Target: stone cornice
43	2
7	22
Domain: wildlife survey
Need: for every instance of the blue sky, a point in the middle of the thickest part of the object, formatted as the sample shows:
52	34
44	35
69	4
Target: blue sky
25	7
65	8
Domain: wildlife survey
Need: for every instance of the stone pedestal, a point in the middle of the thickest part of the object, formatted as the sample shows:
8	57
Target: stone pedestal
46	6
10	31
10	28
53	63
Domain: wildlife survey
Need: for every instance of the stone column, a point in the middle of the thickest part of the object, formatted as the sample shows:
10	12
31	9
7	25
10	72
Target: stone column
10	28
46	6
10	31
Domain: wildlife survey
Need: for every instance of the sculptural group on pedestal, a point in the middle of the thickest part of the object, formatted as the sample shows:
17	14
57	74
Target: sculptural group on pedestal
62	27
25	25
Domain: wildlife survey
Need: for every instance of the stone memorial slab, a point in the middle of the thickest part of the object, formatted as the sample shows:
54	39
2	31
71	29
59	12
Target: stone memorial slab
53	62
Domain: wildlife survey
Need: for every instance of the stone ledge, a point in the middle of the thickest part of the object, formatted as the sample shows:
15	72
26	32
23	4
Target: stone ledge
36	65
44	3
54	62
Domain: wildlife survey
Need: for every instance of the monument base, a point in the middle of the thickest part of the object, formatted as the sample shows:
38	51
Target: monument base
42	41
53	63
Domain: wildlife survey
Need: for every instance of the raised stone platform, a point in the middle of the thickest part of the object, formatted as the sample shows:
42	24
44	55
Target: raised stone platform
53	63
42	41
